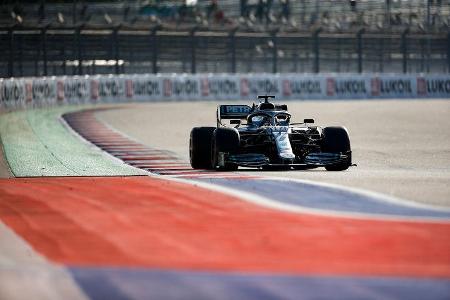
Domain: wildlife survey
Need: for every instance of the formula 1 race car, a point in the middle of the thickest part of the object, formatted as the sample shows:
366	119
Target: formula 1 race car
267	140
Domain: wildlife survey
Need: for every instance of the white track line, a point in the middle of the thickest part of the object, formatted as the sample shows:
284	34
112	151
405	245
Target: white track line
367	193
263	201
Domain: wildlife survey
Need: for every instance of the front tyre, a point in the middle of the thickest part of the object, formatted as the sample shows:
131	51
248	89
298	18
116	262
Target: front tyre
200	147
336	140
225	140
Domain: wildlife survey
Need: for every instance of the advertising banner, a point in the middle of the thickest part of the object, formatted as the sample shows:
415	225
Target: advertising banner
181	87
73	90
19	93
259	84
303	87
43	92
110	89
393	87
347	87
220	87
144	88
433	86
12	94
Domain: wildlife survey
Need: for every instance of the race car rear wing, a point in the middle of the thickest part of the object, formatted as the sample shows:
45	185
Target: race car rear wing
232	111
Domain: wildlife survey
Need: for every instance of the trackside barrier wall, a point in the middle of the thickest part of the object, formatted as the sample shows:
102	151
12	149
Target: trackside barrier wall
19	93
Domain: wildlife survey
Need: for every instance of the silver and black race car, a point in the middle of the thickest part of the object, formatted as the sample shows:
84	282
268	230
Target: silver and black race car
263	136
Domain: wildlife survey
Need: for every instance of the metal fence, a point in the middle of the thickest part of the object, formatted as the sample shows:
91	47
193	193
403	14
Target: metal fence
50	51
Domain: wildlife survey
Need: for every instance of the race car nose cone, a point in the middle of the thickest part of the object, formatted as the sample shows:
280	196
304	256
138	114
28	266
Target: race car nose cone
287	156
283	146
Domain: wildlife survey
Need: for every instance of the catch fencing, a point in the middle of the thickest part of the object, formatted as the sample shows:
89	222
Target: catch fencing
81	50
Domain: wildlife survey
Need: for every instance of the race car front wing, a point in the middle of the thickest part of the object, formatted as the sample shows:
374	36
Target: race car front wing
319	159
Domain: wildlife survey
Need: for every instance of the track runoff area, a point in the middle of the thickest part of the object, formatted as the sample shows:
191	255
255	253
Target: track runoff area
179	233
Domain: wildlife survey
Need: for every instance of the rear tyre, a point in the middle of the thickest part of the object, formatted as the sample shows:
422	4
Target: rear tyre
200	147
336	140
224	140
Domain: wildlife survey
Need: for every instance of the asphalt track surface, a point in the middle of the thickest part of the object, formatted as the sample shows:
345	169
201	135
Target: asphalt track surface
402	147
194	234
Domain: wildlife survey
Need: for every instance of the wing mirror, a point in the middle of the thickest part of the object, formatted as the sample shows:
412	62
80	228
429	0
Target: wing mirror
308	121
235	122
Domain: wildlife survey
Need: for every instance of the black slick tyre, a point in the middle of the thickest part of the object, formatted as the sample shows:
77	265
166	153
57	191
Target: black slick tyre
200	147
336	140
224	140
